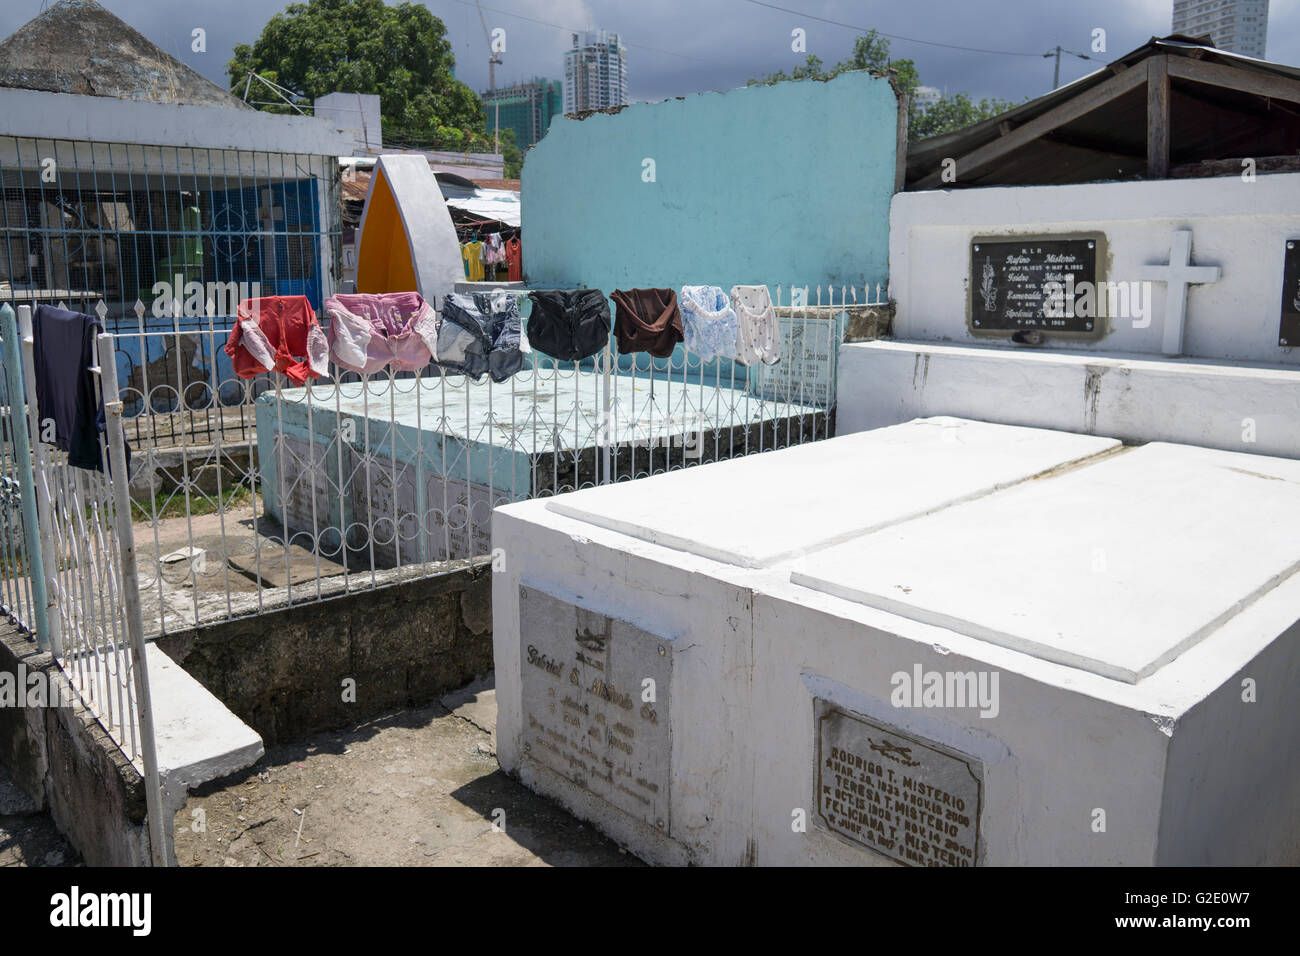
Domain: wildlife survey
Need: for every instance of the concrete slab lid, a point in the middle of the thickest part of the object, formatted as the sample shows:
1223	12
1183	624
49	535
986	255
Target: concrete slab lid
759	510
1114	568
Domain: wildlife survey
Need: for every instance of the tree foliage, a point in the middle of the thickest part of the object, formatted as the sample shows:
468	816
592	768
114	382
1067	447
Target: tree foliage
871	52
400	52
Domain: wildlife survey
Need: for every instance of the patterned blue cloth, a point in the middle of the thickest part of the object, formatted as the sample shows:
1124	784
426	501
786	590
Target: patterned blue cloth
708	321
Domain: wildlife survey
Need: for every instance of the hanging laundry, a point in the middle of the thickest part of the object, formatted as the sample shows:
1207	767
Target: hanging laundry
480	332
369	333
647	320
514	261
494	249
569	325
473	255
278	333
709	322
63	353
758	337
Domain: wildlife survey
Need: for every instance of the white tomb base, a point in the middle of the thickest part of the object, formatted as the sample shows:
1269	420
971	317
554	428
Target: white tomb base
1235	406
945	642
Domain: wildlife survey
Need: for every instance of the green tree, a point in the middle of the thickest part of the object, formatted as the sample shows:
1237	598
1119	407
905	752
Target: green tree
364	46
871	52
952	113
510	152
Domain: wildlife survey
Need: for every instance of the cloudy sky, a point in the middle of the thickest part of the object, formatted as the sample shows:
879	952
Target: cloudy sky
683	46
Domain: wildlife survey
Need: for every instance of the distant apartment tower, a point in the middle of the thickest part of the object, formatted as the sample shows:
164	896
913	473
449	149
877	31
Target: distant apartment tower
1240	26
526	108
595	72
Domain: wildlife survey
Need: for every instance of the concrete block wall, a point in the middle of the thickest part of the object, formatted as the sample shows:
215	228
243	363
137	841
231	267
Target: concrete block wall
282	671
65	761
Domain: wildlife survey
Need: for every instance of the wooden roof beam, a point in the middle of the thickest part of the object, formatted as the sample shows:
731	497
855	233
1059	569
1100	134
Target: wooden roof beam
1158	117
1235	78
1087	101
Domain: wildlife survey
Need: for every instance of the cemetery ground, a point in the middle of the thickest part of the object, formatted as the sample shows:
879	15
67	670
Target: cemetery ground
28	836
419	787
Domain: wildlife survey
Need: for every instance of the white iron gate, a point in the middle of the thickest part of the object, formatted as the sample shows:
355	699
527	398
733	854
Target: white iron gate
72	571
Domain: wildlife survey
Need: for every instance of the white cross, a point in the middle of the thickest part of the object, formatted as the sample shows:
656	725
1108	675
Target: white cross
1178	275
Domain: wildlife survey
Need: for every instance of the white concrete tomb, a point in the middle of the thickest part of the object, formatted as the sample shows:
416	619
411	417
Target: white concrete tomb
944	642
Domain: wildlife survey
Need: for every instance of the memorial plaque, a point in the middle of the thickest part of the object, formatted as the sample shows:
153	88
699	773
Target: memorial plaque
1289	334
1047	284
910	800
586	679
303	477
806	373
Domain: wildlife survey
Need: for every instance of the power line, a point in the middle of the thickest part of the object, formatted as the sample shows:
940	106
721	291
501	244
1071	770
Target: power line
892	36
559	26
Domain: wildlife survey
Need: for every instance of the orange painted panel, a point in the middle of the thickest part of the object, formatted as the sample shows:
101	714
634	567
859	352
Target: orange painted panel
384	262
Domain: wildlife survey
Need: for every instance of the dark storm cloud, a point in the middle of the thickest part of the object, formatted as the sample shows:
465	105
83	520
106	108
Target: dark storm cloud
683	46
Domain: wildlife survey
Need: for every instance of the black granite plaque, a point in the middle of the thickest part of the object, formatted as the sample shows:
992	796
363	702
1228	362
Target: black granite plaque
1289	334
1048	284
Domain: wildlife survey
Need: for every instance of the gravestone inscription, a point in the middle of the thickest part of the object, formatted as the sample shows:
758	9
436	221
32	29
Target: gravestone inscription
1047	284
1289	333
596	694
913	801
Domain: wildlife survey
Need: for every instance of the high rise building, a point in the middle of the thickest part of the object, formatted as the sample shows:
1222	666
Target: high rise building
526	108
595	72
1240	26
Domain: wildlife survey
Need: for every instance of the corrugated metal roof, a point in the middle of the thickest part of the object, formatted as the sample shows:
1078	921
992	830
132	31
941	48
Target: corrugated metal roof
499	204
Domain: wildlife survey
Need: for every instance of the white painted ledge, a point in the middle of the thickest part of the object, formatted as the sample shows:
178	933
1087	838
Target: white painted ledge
1211	404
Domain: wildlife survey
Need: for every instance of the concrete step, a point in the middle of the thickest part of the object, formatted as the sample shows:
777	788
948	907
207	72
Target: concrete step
198	739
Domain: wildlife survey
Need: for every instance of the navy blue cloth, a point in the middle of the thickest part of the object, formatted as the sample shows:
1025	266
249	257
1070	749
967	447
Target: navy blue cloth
63	353
480	333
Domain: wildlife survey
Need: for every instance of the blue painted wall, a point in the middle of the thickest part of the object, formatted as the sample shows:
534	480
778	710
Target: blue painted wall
774	184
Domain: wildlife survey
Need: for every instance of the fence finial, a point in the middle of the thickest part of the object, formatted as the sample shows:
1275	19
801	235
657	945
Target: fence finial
138	308
101	310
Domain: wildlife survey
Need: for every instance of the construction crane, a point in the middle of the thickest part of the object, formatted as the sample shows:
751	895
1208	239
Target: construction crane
493	60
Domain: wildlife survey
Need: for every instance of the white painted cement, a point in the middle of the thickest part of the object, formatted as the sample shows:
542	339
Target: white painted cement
106	120
1231	406
1183	768
1240	226
430	234
1116	568
760	509
198	739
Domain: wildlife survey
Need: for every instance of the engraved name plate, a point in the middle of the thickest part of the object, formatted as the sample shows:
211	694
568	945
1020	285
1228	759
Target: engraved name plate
586	679
1289	332
907	799
1010	282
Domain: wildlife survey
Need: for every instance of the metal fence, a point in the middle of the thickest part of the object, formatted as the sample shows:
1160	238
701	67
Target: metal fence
69	561
354	482
166	239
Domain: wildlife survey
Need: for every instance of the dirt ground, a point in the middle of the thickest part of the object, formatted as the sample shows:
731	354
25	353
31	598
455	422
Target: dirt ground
28	837
418	788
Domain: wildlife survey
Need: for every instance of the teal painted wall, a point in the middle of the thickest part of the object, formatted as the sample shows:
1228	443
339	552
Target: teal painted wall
785	184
